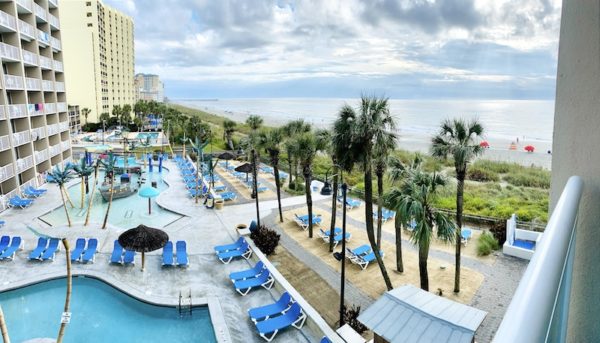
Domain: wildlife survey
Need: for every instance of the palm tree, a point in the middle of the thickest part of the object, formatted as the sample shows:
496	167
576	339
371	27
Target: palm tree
91	197
109	171
356	146
385	143
255	122
308	145
413	201
60	177
116	112
457	138
270	140
85	112
83	171
292	130
228	130
63	325
145	143
126	114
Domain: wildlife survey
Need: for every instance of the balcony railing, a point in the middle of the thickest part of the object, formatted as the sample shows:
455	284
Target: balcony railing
30	59
61	106
53	21
43	38
59	86
539	309
48	86
50	107
39	12
6	172
65	144
16	111
24	163
13	82
63	126
54	150
53	3
9	52
35	110
58	66
4	143
26	5
20	138
41	156
2	114
8	22
33	84
38	133
55	43
45	62
27	31
52	129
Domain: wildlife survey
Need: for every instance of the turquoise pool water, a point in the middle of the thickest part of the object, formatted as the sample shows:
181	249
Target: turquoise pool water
125	212
152	135
100	313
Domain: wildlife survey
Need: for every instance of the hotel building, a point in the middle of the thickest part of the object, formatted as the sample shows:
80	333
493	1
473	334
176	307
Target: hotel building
149	87
34	124
99	56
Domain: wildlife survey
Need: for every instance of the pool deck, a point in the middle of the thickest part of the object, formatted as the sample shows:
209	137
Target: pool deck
206	277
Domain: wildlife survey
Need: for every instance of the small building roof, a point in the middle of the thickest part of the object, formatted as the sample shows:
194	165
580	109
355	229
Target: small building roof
410	314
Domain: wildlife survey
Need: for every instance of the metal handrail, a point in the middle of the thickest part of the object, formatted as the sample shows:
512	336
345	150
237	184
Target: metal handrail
543	292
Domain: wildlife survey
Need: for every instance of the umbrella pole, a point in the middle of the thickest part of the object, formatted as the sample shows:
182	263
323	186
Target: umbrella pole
143	260
149	206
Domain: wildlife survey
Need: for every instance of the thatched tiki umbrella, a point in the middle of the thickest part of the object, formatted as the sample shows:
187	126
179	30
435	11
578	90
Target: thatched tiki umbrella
245	168
143	239
226	156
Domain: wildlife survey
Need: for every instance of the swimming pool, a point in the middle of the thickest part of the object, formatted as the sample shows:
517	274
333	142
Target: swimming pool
152	135
100	313
124	212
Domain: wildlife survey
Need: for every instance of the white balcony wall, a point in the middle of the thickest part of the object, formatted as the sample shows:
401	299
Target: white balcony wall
27	5
58	66
13	82
45	62
59	86
30	59
8	21
55	43
9	52
16	111
20	138
31	109
40	12
38	133
61	106
27	31
41	156
50	107
48	86
33	84
55	150
6	172
4	143
24	164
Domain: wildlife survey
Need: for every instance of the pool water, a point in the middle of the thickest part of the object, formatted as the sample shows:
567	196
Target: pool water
99	313
125	212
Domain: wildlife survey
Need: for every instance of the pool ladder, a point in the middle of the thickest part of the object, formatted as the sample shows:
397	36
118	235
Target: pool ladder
183	308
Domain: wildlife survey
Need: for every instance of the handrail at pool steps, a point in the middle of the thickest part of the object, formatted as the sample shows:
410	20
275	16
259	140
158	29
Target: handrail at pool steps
539	309
314	320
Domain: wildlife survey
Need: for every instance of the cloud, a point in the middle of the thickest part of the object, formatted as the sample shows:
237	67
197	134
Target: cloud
261	45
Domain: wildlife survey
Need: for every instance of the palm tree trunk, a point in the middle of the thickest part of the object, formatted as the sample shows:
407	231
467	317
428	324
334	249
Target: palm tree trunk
110	199
64	205
63	326
308	200
398	228
333	207
291	173
87	215
296	174
367	163
460	186
82	191
3	329
275	162
423	255
255	186
68	197
379	207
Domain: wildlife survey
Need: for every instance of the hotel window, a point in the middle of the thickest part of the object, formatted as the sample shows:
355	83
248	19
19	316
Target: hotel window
89	14
88	3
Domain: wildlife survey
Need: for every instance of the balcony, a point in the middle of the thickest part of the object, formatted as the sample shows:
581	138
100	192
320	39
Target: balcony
8	23
20	138
65	145
41	156
43	38
63	126
53	3
55	43
27	31
24	163
6	172
45	62
4	143
38	133
54	23
16	111
50	107
59	86
40	13
61	106
33	84
35	110
47	86
25	6
52	129
9	52
2	114
13	82
54	150
58	66
30	59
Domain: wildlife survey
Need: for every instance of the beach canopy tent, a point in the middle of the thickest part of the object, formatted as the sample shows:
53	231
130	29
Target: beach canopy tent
143	239
410	314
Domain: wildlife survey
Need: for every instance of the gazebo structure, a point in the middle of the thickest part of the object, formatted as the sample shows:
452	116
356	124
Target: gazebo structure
410	314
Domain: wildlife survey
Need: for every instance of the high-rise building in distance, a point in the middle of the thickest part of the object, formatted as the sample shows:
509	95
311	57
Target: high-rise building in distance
99	56
149	87
34	124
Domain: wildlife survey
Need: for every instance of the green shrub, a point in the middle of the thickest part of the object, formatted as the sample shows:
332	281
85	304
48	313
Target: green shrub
529	177
486	244
265	239
480	174
496	167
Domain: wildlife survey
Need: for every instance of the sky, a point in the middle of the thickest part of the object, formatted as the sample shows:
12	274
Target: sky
405	49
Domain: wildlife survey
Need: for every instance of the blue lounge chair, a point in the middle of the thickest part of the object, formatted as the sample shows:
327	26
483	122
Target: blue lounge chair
325	234
220	188
129	257
31	194
78	251
385	215
37	191
465	234
2	223
9	253
194	193
243	251
117	254
182	257
363	261
352	203
337	238
19	202
356	253
227	247
36	254
90	252
4	242
262	189
264	280
302	221
248	273
269	328
167	254
51	250
325	339
228	196
265	312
